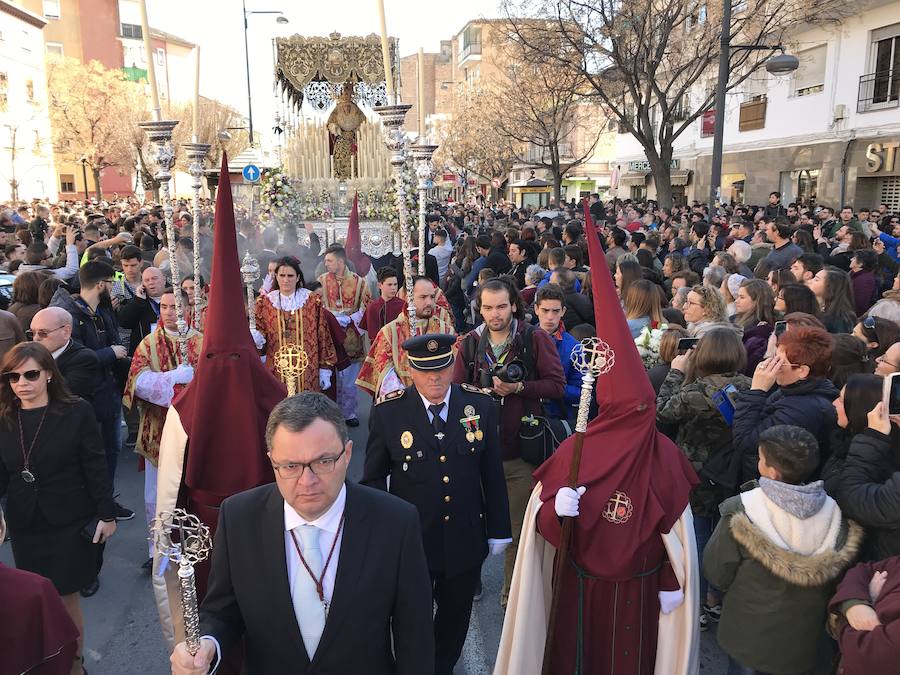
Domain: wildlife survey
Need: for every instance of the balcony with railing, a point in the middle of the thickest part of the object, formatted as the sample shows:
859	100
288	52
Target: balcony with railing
471	49
538	155
753	115
879	91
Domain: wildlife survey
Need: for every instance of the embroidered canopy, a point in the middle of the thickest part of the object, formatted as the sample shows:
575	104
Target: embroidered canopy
315	68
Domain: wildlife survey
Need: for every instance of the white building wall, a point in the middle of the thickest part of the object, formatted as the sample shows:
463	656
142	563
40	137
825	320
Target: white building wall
22	61
801	120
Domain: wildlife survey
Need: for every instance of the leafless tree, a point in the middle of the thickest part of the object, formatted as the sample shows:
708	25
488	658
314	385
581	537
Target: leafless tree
652	63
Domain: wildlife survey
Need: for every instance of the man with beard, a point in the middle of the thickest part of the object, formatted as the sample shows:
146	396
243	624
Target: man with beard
483	356
346	295
386	368
94	325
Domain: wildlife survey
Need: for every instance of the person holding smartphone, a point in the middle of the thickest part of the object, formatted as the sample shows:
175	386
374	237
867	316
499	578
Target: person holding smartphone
868	490
688	398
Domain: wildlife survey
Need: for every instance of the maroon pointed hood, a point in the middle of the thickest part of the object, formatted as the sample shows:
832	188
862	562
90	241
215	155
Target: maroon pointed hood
353	244
623	451
225	408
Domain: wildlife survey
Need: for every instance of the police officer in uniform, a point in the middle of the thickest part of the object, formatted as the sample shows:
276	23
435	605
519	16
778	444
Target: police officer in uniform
439	444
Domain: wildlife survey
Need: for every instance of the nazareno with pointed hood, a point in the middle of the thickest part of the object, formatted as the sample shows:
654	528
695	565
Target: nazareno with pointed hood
225	408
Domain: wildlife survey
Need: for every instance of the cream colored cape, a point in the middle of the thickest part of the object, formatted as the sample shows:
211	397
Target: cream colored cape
166	588
525	625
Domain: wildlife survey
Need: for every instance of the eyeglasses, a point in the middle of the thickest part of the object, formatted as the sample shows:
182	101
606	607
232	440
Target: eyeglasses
42	333
12	377
320	467
883	359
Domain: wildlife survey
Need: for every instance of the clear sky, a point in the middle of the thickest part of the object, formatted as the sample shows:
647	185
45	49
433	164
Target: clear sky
217	26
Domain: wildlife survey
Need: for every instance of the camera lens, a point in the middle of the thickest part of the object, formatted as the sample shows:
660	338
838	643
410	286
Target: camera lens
515	372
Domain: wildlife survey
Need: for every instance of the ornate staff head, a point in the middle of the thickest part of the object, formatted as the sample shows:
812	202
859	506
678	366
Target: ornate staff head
593	357
181	537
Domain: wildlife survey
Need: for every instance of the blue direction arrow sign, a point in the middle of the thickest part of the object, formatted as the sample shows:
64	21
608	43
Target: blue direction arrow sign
251	173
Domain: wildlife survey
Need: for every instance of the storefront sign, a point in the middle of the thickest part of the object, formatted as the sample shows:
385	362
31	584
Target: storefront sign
644	165
881	157
530	190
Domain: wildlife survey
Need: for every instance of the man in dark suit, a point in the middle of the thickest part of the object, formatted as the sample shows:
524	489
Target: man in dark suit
80	368
440	445
317	575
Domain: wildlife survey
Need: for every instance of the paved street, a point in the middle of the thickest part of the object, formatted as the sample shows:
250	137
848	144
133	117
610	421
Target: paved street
123	635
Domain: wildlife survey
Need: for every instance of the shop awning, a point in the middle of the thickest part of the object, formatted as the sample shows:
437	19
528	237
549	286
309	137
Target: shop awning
633	178
681	177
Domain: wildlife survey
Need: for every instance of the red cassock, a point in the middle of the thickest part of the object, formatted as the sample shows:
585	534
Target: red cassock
638	483
37	636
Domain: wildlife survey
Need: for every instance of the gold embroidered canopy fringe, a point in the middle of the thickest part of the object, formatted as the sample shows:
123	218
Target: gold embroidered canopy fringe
333	60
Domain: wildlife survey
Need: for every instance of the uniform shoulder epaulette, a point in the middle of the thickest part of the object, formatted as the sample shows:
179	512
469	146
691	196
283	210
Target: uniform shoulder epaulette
390	396
472	388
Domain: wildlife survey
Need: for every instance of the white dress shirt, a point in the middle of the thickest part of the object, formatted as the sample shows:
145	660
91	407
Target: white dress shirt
328	524
444	411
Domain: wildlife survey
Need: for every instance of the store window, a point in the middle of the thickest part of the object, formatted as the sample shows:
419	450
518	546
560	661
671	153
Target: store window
808	186
638	193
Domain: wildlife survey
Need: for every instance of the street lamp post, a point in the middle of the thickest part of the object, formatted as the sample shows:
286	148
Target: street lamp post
777	65
87	197
282	19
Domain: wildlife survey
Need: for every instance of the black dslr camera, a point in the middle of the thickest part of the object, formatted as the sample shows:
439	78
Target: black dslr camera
511	372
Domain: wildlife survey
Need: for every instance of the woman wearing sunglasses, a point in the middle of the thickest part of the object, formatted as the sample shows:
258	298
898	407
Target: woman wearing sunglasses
53	473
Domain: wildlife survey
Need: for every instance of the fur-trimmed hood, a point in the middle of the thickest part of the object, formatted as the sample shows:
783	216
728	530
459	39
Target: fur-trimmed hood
801	570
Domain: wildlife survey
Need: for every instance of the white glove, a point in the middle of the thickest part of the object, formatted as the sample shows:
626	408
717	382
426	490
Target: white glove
258	338
182	374
567	501
324	378
343	319
669	601
497	546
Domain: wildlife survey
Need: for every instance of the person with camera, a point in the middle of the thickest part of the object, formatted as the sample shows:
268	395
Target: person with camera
520	366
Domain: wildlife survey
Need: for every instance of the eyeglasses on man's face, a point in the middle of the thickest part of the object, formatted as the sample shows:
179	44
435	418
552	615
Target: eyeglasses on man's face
320	467
42	333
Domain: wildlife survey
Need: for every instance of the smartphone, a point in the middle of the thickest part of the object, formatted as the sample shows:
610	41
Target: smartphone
724	400
892	394
780	327
684	344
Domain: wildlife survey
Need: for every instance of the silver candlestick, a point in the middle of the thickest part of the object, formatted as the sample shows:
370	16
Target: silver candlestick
392	117
183	538
425	173
160	134
250	273
196	152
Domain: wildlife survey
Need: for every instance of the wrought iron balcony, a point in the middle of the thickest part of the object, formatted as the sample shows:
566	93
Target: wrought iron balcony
878	91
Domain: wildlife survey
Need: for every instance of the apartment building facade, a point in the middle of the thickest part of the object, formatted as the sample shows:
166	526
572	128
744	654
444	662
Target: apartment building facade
109	31
828	133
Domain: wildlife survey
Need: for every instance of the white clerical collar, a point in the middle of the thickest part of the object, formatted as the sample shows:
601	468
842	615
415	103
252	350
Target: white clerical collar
329	521
59	351
288	302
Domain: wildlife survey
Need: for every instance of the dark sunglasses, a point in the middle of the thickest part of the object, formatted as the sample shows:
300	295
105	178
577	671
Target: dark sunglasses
12	377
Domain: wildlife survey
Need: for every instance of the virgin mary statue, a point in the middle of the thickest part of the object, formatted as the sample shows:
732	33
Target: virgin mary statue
343	123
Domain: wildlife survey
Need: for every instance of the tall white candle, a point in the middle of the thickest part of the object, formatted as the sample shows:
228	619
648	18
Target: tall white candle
421	101
151	71
386	55
196	127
